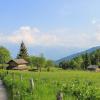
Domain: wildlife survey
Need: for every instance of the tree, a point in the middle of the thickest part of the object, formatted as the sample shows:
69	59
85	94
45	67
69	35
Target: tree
49	63
73	64
87	61
82	61
92	57
97	57
31	60
77	62
23	54
4	55
64	64
41	61
37	62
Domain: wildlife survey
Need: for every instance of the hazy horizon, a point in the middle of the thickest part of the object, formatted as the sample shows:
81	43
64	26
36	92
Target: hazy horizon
56	28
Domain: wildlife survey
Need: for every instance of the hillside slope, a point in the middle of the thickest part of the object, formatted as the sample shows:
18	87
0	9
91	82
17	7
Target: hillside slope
77	54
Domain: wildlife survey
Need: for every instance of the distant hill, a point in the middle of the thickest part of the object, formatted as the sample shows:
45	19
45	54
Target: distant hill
77	54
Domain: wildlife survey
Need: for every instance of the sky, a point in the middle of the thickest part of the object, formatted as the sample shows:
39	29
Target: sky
56	28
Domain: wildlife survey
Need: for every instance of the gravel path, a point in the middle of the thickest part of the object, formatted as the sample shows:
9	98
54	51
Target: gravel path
3	93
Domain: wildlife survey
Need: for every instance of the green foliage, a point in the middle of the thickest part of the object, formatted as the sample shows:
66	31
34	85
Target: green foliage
4	55
49	63
32	61
86	61
40	62
82	90
96	57
23	52
75	85
64	65
37	62
82	61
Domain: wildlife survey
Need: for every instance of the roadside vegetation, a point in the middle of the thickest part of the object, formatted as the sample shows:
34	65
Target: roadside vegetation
74	85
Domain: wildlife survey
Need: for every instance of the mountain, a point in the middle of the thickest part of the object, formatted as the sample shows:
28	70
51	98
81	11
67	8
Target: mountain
77	54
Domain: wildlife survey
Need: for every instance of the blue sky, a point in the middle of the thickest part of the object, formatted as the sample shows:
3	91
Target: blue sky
56	28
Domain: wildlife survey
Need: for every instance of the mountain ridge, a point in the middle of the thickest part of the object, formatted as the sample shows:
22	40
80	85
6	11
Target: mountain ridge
77	54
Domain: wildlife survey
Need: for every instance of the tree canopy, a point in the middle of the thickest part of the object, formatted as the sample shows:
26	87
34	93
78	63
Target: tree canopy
82	61
23	53
40	62
4	55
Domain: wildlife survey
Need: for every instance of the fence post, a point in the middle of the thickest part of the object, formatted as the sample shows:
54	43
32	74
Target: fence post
21	78
13	76
59	95
31	85
18	95
7	72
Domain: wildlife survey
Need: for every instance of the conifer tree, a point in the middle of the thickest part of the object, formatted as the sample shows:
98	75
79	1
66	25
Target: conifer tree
23	54
87	60
97	57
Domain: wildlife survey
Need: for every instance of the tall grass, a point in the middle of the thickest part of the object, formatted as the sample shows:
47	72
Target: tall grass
75	85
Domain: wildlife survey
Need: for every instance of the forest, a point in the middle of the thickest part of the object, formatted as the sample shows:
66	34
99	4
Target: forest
83	61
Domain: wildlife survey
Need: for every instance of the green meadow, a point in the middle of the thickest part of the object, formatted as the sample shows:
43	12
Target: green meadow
74	85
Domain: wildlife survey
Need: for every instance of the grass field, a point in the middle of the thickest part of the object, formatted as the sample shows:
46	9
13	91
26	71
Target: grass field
75	85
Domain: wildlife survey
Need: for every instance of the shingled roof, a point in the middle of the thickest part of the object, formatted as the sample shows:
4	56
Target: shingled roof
92	66
19	61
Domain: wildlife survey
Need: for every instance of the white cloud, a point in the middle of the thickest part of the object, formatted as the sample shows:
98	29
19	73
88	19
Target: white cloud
94	21
25	34
31	36
60	37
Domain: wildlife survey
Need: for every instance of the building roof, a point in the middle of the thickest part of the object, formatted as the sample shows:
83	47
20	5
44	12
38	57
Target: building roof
19	61
92	66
